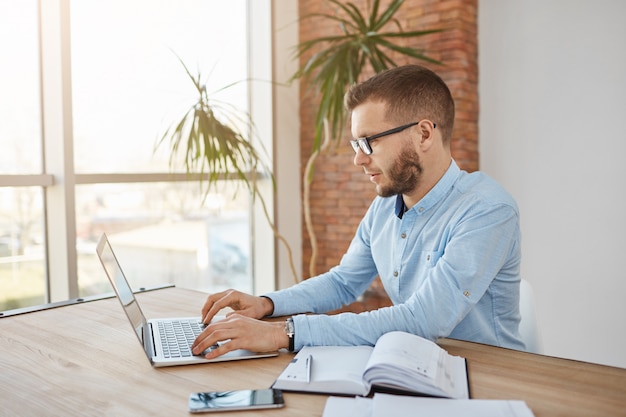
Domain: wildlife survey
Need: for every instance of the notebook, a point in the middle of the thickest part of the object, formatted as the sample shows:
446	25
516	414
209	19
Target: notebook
166	342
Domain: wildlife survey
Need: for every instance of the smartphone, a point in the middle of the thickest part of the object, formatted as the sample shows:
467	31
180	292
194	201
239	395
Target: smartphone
253	399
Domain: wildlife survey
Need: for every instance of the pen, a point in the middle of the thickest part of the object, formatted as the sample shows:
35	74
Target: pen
308	364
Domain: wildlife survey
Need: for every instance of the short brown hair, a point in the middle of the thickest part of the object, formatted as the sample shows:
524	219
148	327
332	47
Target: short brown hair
412	93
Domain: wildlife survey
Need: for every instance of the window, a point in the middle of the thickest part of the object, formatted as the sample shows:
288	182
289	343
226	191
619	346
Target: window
22	264
80	155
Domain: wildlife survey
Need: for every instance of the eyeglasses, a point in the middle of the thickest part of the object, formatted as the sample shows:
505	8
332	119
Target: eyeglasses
364	143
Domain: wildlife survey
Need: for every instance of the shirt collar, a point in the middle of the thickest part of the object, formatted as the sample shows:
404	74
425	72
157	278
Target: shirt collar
434	195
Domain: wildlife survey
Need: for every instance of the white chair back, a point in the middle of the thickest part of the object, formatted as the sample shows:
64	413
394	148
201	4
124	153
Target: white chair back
528	326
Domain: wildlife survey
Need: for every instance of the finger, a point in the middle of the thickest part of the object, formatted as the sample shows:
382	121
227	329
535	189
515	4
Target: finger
210	300
215	303
221	350
207	339
201	340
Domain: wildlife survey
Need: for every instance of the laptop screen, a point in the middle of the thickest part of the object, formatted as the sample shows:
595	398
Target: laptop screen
121	287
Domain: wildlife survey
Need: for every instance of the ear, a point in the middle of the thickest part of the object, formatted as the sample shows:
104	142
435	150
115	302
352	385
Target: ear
427	132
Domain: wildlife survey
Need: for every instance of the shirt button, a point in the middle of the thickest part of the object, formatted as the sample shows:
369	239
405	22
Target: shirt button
467	294
421	209
403	235
395	273
428	257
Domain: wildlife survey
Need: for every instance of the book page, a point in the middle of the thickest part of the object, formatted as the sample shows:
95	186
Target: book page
333	369
336	363
452	376
406	351
406	362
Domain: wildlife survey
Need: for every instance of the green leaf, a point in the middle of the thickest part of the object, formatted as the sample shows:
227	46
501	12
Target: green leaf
208	141
338	61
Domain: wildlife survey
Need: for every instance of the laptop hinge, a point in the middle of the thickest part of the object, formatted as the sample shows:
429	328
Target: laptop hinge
148	341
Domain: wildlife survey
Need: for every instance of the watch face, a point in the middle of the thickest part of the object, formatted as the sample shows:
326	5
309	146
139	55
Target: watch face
289	329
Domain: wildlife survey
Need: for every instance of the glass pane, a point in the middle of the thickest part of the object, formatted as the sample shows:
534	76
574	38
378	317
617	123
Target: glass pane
20	129
22	251
128	84
163	233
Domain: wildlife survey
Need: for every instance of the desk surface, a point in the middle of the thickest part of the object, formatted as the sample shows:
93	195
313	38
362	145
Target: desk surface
84	360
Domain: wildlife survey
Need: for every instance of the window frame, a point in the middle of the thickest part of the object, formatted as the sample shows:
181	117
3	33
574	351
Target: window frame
59	180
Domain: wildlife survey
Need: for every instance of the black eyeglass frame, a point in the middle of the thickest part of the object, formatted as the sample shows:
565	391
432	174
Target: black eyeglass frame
364	143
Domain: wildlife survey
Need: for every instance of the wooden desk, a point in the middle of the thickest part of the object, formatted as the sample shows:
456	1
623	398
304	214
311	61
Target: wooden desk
84	360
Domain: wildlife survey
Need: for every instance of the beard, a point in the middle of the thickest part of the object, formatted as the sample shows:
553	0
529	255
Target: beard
404	175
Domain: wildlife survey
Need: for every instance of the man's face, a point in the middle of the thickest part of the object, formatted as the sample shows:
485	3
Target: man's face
394	165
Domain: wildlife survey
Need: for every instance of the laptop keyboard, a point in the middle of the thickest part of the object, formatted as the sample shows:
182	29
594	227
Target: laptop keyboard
177	337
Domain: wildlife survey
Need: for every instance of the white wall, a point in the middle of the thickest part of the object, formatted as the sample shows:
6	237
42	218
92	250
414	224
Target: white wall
553	132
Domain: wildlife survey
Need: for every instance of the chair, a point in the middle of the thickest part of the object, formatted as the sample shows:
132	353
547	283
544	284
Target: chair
528	325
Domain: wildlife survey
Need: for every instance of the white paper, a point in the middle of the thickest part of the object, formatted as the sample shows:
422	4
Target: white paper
331	369
348	407
405	361
299	369
385	405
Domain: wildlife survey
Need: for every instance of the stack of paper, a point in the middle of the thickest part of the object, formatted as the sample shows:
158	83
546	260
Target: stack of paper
384	405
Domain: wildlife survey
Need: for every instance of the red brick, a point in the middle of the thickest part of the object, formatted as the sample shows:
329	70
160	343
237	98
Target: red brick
340	193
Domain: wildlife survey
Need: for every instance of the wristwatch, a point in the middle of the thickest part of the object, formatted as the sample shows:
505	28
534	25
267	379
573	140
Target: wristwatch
290	330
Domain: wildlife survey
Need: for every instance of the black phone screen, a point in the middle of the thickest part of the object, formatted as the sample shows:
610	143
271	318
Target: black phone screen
235	400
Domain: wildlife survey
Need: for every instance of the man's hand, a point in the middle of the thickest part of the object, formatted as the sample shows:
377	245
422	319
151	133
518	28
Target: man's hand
241	332
242	304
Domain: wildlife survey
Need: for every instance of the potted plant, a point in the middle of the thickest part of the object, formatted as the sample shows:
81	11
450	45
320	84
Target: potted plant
216	142
366	43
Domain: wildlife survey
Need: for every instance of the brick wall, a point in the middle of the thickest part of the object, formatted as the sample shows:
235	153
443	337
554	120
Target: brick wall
340	193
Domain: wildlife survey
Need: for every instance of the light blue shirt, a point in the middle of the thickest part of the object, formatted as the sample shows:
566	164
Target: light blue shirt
450	265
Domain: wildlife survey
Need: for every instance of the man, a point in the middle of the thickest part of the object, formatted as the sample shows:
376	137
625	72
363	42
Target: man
445	243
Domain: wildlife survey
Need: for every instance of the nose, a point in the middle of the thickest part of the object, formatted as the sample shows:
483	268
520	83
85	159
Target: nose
360	158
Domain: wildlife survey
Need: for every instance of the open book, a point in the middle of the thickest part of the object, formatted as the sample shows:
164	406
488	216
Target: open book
400	362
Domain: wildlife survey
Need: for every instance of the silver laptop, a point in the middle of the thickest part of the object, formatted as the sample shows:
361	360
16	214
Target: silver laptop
167	342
